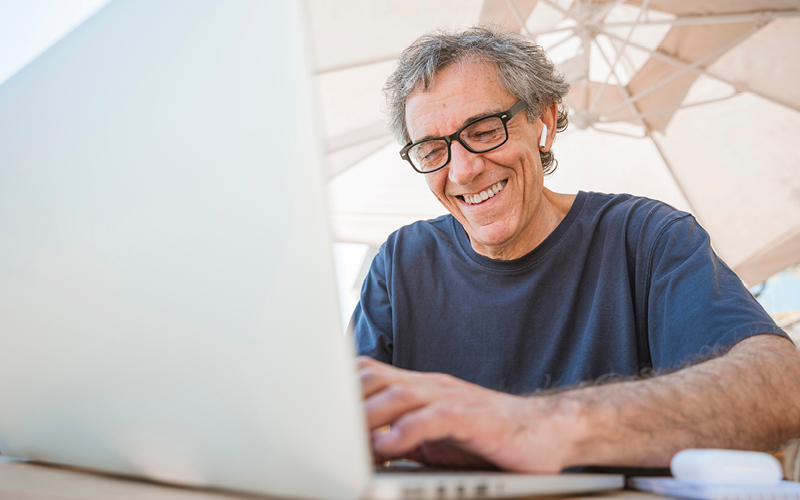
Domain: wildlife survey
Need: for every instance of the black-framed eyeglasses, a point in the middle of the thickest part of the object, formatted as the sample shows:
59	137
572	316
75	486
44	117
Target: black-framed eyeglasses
478	136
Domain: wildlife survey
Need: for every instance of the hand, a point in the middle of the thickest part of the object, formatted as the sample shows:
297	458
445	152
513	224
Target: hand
440	420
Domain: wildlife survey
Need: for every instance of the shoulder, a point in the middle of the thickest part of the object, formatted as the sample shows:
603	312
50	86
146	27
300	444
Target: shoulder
415	247
630	207
643	220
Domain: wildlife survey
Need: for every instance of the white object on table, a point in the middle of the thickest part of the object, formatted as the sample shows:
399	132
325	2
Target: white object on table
728	467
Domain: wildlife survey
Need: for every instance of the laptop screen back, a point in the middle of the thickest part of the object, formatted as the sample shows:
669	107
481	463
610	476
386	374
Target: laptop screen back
167	298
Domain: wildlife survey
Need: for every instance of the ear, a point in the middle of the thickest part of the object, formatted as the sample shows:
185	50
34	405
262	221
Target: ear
548	134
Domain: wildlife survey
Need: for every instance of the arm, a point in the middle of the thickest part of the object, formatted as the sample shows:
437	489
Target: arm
748	398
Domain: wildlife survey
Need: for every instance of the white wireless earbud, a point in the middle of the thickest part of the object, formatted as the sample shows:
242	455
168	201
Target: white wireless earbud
543	140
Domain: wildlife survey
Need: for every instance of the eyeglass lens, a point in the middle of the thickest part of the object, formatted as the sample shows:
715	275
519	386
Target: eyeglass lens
479	137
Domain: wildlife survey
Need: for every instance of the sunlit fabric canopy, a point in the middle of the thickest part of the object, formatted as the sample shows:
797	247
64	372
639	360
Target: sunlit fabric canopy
694	103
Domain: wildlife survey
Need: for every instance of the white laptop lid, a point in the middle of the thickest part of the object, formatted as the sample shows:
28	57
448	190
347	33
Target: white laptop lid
167	298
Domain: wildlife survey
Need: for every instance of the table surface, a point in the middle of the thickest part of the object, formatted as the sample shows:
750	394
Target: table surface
26	481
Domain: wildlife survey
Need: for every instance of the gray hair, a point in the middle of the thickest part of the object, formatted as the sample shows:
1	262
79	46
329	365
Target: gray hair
524	68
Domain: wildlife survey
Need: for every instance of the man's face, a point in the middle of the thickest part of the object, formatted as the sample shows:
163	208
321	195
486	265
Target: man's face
502	226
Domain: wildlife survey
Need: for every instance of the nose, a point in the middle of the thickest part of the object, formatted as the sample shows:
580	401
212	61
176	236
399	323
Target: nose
464	167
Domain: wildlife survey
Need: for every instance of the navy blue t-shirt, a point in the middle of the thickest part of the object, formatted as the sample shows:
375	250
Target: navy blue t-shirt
621	285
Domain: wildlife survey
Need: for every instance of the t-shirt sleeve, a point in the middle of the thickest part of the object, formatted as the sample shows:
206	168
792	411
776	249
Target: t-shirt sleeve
372	318
696	305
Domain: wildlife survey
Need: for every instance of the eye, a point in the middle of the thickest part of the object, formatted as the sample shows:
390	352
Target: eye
489	130
430	150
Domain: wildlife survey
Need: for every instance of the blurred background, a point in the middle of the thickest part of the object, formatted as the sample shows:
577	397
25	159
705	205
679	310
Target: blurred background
692	103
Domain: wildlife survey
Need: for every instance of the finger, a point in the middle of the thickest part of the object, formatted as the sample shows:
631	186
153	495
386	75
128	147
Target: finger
416	455
366	361
373	380
375	376
452	455
430	423
389	404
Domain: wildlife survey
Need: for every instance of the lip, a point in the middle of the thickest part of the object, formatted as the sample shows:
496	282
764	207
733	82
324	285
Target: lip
488	201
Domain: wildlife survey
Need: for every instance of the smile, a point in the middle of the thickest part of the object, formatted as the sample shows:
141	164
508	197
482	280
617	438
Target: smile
474	199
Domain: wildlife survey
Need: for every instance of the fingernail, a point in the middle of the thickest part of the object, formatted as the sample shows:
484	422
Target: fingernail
383	439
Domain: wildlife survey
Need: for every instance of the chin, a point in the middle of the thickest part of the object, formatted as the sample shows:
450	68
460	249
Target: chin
491	240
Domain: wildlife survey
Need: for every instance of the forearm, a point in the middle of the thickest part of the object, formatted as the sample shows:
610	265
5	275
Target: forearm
746	399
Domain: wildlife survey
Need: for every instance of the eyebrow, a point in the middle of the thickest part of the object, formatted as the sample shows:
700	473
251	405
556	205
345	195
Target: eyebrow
469	120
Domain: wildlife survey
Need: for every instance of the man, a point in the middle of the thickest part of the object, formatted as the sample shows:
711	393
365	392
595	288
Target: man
522	290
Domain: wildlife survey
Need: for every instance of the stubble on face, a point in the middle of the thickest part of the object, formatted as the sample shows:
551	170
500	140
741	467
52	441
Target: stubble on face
499	196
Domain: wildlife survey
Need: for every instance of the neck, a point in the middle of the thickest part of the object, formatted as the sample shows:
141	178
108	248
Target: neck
552	210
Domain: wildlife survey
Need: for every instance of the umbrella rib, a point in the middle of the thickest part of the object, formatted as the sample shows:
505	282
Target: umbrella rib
712	19
563	11
551	31
332	175
356	137
787	235
616	132
671	170
624	92
664	57
617	56
681	71
661	56
672	109
518	18
648	133
568	37
627	100
605	10
586	46
789	105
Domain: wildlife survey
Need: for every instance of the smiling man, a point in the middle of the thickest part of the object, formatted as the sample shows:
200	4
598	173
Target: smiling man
490	327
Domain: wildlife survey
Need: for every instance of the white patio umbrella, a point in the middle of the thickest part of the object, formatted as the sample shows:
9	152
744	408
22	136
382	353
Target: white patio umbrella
693	103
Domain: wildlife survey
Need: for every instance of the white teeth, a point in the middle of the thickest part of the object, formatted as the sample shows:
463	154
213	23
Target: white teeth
484	195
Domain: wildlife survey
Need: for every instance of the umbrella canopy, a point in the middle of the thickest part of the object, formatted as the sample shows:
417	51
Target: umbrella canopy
693	103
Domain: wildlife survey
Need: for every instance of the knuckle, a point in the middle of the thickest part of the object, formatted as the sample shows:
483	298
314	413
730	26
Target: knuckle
409	426
366	375
364	361
401	393
443	379
441	412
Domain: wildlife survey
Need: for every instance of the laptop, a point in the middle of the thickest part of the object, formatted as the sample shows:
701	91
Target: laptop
168	308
